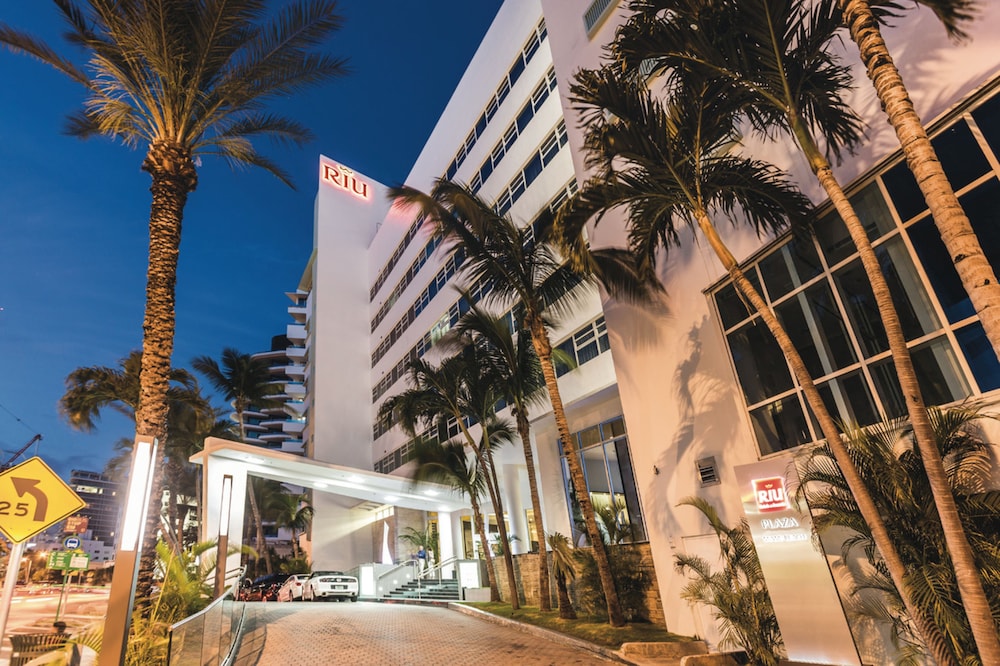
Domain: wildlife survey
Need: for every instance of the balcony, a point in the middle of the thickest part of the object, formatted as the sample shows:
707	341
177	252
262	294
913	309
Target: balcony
296	333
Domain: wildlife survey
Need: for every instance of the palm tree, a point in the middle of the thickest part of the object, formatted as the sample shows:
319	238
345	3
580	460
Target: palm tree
738	592
674	164
518	374
459	389
891	467
91	390
245	381
292	511
862	18
523	269
184	79
562	565
777	54
448	464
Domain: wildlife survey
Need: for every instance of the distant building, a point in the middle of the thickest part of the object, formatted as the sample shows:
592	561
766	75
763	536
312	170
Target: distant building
101	493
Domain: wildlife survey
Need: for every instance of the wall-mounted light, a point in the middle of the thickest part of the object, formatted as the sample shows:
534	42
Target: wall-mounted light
140	482
223	545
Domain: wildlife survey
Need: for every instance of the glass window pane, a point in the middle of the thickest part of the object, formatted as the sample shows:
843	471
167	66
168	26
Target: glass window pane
904	191
780	425
940	271
596	471
856	293
791	266
614	428
874	215
731	302
987	117
813	321
980	356
631	494
760	365
961	157
590	436
849	400
937	373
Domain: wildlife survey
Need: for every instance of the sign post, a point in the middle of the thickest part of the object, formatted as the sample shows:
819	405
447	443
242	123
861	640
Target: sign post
34	499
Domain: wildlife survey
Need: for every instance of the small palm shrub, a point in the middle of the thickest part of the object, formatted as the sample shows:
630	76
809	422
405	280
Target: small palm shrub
736	593
632	581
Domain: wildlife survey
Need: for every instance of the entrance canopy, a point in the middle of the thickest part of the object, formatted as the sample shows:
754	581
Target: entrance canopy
368	487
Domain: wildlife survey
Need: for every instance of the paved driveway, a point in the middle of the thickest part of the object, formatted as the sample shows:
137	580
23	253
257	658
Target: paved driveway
368	633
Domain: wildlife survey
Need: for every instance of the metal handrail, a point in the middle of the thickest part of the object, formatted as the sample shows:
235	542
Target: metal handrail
438	567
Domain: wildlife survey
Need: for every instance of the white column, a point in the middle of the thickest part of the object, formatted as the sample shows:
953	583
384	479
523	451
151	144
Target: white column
513	475
215	469
446	541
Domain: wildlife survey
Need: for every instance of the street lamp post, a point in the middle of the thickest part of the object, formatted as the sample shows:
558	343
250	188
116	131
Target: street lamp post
119	617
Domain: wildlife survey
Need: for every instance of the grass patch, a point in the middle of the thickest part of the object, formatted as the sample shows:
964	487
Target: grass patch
585	628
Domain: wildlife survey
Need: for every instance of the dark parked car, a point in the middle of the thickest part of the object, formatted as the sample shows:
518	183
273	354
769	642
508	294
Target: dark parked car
263	588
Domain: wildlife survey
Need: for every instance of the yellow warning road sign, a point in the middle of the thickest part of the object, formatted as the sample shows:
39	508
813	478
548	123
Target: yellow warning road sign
32	498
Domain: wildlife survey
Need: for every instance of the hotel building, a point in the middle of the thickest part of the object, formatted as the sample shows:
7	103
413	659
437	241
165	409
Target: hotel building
665	403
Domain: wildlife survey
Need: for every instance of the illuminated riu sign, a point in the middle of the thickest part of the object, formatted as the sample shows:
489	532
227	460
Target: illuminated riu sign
341	177
770	494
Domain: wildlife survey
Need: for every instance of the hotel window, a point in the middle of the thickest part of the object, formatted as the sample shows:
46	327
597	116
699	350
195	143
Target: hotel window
821	295
607	467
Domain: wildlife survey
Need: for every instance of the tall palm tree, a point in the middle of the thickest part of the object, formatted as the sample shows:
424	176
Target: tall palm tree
184	79
245	382
862	18
523	269
778	53
292	511
518	374
449	465
458	390
674	164
891	467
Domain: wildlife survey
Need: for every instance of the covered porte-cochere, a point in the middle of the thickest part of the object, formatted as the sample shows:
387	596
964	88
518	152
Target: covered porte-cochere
228	464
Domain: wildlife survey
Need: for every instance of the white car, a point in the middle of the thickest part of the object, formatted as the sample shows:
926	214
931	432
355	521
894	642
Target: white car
291	589
330	585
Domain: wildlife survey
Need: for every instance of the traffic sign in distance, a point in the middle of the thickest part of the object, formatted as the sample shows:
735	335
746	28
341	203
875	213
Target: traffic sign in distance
67	560
32	498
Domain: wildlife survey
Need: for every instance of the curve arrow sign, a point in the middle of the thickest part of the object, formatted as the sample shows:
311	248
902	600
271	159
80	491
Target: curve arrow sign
30	486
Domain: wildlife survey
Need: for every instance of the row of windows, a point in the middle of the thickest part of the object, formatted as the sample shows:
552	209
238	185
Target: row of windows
397	254
820	293
531	46
516	128
543	157
584	345
503	89
545	154
405	281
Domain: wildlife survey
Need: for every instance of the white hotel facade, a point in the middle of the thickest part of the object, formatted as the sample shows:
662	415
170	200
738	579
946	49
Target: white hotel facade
670	402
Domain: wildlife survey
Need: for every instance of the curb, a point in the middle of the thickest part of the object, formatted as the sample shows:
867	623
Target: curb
547	634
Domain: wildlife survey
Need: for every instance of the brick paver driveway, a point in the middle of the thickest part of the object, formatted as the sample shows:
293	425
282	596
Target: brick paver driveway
365	633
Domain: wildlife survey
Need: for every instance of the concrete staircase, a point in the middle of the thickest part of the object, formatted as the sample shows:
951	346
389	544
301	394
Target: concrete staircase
433	590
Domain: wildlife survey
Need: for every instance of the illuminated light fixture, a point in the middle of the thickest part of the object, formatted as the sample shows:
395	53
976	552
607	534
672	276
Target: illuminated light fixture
431	493
339	176
223	544
136	501
319	484
391	498
355	478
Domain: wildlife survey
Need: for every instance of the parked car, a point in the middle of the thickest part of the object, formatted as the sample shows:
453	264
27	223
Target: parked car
291	589
263	588
330	585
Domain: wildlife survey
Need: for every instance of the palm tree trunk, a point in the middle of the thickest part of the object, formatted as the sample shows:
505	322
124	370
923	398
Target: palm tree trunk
173	178
975	271
485	459
524	430
259	525
491	574
543	349
866	505
566	610
970	586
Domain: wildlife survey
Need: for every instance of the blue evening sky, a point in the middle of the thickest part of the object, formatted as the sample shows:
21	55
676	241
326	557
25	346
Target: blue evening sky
74	214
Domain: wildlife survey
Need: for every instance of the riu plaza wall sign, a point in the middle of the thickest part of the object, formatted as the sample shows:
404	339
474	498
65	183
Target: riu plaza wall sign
343	178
